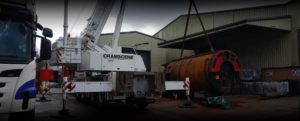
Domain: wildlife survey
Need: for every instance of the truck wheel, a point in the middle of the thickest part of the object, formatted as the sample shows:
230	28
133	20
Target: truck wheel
22	116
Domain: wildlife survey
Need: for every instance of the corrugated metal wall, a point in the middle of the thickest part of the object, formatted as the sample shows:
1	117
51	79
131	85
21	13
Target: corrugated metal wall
264	52
284	23
213	20
172	54
293	10
158	55
260	13
271	51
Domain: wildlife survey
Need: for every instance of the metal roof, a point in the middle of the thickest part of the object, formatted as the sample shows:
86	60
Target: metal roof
227	34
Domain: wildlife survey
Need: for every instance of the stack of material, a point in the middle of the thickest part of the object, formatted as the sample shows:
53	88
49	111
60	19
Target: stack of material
259	88
279	88
279	74
271	81
266	88
248	87
271	89
290	75
249	77
250	74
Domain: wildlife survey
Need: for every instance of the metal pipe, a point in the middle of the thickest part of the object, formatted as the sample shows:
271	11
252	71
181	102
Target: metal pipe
65	21
118	26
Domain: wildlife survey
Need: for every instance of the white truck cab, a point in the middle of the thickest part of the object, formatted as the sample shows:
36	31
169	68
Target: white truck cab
17	58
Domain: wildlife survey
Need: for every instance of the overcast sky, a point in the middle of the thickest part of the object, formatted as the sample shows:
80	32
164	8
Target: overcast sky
146	16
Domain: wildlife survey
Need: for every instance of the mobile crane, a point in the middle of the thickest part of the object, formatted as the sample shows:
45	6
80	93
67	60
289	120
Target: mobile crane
105	74
18	26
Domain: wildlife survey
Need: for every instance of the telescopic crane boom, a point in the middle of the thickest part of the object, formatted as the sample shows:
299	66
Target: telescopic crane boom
97	20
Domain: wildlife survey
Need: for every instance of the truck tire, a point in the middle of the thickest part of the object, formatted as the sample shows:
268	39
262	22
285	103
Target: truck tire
22	116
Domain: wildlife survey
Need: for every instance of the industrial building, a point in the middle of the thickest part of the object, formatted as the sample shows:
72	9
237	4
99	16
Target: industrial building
262	37
243	61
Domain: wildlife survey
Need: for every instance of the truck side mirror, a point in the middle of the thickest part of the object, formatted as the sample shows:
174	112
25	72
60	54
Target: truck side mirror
47	32
39	26
45	53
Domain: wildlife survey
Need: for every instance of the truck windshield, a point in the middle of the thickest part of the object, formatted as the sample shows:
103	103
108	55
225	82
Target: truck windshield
15	38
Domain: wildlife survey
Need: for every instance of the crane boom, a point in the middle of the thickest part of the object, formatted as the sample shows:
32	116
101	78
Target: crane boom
91	57
115	37
97	20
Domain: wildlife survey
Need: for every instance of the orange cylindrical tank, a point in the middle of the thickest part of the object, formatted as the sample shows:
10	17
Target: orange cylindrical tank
210	72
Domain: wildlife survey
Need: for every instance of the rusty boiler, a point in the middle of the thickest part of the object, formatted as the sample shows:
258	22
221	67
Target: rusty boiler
215	73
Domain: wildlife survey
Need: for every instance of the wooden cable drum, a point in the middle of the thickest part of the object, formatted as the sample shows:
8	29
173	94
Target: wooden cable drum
216	73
